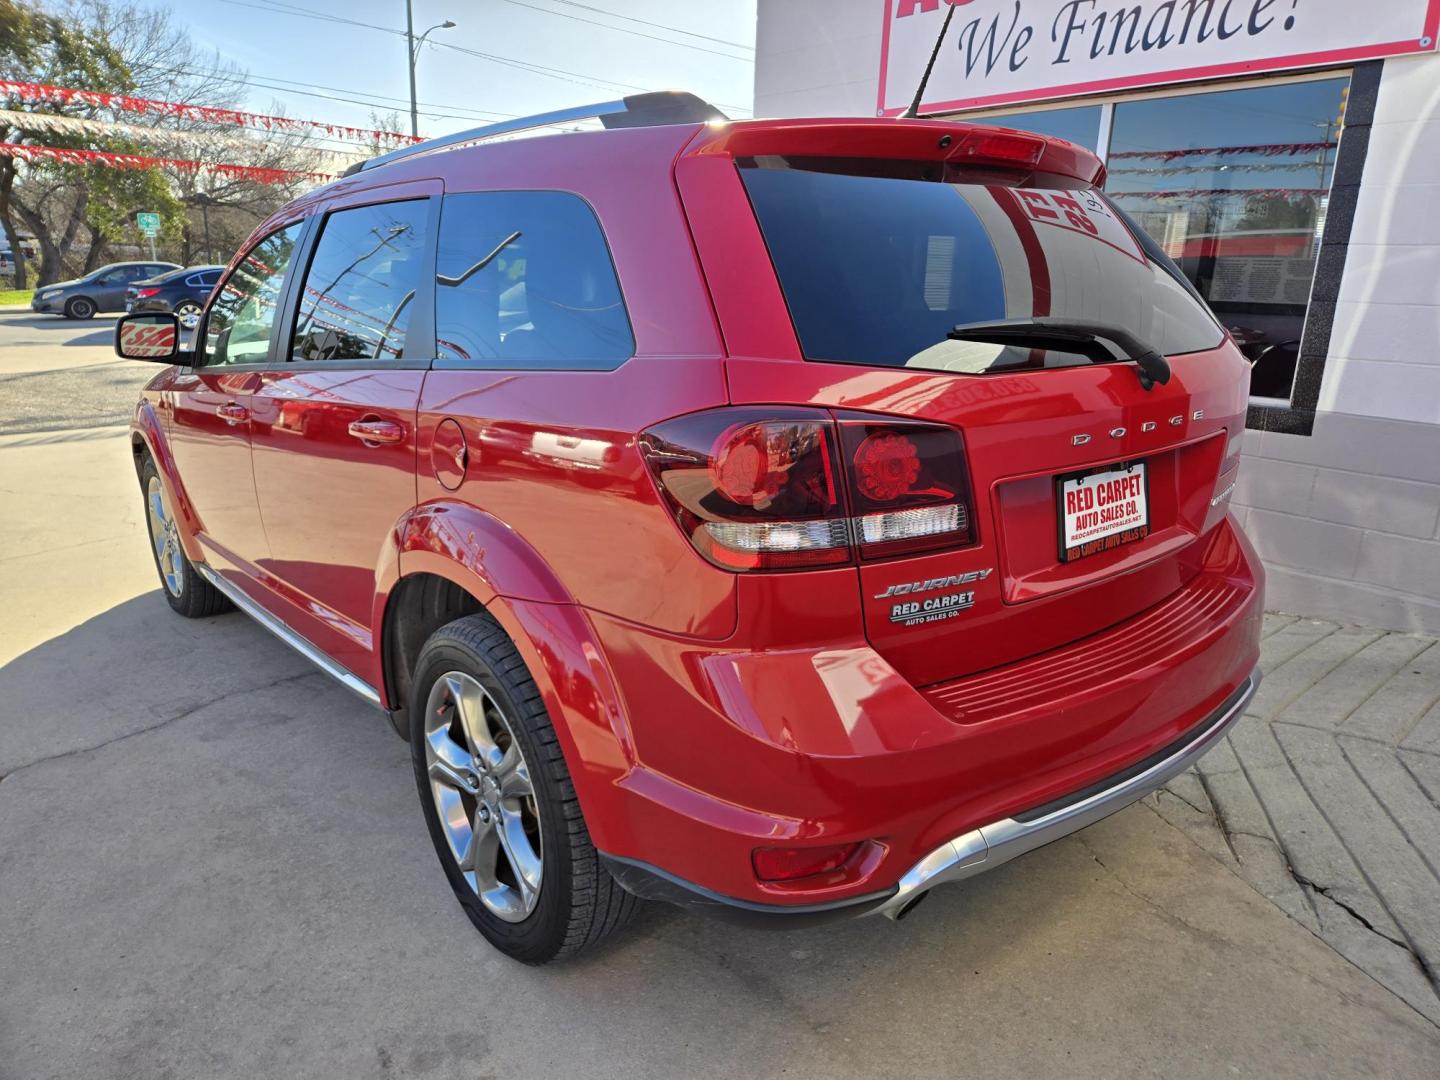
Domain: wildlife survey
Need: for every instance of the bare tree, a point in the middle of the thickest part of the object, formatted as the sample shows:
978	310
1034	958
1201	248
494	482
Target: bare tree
77	213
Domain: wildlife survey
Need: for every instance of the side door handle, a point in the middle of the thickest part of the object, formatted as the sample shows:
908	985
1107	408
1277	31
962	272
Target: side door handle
377	432
233	413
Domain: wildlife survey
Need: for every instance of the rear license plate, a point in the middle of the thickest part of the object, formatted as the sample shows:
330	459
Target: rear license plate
1101	509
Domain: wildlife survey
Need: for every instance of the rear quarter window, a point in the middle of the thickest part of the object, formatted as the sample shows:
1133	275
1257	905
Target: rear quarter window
877	269
524	280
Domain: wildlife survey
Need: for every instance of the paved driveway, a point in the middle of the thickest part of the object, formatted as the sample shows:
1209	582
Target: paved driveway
212	865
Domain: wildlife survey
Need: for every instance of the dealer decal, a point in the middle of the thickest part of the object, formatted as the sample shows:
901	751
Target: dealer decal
932	609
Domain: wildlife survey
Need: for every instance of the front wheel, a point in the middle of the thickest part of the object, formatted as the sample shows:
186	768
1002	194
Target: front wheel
82	307
185	590
499	802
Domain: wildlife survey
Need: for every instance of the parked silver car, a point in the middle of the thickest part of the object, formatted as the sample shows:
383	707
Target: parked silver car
99	290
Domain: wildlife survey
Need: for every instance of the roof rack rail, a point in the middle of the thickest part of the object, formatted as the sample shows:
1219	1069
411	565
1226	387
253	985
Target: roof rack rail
638	110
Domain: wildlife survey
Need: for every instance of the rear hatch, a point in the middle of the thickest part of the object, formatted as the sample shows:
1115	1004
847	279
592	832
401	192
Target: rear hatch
1090	493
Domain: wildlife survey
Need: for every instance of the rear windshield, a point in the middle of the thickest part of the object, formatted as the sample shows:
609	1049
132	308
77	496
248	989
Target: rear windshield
878	264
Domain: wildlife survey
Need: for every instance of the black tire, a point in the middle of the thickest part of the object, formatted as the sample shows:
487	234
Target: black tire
80	307
187	592
579	903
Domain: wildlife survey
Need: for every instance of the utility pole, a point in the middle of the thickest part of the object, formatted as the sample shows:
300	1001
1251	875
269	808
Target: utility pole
412	55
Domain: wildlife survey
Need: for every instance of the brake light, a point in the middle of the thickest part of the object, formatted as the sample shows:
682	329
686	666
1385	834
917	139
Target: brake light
909	487
788	864
998	147
140	294
766	489
753	489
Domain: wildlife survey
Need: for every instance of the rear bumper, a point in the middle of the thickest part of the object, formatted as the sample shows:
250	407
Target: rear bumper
995	844
801	746
971	853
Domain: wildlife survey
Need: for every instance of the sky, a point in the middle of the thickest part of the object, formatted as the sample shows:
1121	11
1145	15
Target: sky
308	57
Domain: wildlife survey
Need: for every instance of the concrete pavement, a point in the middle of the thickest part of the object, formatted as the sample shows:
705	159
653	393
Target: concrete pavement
1326	796
212	864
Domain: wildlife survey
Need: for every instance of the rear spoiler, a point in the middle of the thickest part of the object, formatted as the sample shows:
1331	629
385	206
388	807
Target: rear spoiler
901	139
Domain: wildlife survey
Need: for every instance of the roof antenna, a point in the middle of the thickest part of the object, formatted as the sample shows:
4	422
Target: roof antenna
913	112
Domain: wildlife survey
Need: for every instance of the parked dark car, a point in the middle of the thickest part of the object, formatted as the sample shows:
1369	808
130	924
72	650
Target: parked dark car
182	291
99	290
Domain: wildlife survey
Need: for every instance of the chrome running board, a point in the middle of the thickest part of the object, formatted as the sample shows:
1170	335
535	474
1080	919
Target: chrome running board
997	843
345	678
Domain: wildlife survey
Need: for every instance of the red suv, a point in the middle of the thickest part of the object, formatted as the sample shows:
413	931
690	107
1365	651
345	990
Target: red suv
778	518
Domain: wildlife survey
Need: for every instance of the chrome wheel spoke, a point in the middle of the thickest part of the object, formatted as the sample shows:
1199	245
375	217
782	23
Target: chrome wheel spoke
514	776
471	702
450	763
484	847
524	860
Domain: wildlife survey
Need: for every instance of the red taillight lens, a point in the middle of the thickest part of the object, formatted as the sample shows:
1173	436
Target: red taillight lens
142	293
998	147
908	486
753	489
763	488
788	864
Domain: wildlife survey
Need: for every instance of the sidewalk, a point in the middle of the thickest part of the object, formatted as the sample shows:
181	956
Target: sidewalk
1326	796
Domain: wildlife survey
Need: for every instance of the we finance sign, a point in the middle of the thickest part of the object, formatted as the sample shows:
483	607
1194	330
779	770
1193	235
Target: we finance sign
1006	51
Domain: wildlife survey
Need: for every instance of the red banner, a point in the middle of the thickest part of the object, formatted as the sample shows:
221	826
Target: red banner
142	161
40	93
1263	149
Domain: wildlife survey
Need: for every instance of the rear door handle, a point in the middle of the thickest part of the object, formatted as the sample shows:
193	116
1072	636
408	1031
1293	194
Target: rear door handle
233	413
376	432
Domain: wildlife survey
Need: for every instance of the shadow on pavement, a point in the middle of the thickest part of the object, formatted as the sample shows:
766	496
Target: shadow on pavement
214	864
103	334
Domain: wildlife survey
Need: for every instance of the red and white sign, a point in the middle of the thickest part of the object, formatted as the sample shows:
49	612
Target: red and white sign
1078	211
1102	509
142	340
1007	51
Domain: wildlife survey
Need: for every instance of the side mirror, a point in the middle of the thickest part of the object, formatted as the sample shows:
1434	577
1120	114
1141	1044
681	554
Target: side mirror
153	336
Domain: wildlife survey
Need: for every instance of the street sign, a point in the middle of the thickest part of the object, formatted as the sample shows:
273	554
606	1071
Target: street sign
149	223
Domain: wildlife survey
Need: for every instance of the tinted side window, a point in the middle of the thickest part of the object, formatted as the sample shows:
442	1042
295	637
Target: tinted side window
355	302
237	330
524	280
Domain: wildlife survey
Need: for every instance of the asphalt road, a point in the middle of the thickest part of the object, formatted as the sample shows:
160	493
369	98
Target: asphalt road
212	865
59	375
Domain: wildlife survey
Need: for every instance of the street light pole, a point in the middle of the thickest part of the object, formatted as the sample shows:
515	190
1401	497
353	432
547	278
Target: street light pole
412	54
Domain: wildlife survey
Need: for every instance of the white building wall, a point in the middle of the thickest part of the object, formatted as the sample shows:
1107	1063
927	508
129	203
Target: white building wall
1347	519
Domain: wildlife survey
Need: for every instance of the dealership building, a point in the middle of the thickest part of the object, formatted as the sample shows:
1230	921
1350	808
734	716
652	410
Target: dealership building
1286	154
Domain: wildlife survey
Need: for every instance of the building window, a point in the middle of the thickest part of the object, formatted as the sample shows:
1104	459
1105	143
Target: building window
1234	186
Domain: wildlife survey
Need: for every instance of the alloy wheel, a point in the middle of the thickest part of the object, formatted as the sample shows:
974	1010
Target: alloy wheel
483	796
165	537
189	315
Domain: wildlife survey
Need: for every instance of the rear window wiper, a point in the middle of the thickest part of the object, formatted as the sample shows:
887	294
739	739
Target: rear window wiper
1072	335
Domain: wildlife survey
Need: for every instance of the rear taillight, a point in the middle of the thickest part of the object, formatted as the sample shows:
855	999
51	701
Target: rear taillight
788	488
753	489
908	486
141	294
